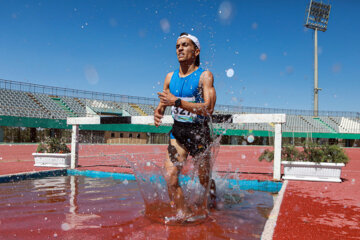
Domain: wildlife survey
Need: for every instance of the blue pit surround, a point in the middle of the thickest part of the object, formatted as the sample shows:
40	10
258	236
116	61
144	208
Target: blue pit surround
256	185
32	175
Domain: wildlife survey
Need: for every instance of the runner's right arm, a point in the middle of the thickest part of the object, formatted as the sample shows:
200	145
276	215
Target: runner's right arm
159	111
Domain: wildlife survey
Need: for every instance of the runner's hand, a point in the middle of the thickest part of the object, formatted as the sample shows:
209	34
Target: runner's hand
157	117
166	98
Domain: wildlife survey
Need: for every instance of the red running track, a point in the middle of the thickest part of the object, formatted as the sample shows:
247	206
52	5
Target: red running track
319	210
310	210
15	158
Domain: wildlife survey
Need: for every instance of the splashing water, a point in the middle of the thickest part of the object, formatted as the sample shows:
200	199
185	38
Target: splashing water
151	178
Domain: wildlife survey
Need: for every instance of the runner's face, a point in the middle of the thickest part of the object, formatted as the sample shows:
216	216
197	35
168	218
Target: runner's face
185	50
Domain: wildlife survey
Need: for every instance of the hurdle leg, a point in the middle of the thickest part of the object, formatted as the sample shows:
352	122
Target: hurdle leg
74	146
277	152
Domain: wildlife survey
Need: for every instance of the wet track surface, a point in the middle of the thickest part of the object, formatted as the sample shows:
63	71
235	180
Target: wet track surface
75	207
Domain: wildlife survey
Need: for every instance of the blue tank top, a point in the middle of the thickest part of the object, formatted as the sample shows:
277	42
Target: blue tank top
186	88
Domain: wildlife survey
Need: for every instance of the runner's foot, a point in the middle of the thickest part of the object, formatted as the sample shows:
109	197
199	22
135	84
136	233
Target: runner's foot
193	219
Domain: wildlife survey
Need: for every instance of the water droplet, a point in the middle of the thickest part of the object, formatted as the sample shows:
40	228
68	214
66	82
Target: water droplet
263	56
230	72
125	182
250	138
65	227
225	10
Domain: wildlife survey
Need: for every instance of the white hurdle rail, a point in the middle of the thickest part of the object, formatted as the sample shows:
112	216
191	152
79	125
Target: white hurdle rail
276	119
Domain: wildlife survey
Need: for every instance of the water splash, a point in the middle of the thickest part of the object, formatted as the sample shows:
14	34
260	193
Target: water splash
230	72
150	176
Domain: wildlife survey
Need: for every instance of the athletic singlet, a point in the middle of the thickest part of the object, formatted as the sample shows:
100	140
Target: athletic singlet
186	88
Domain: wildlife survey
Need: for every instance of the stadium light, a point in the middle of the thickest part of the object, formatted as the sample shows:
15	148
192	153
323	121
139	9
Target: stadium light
317	17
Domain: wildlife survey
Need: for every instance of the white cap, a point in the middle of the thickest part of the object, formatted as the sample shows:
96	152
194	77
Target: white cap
192	38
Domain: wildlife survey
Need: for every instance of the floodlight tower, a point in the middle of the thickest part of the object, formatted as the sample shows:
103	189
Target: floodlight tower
317	17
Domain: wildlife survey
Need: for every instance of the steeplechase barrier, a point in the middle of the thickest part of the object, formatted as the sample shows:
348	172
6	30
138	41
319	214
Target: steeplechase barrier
276	119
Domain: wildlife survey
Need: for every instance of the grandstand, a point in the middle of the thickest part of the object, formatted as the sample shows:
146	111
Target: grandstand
46	103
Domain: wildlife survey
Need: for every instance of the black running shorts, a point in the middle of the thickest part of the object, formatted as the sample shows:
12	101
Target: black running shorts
194	136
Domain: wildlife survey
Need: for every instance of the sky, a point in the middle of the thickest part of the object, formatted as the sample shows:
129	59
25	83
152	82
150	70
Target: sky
259	51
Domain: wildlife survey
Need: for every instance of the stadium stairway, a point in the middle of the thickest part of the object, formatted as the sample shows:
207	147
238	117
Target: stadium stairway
138	109
81	103
65	107
38	103
309	125
325	124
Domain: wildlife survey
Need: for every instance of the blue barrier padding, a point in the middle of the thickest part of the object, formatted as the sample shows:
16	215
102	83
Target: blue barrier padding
265	186
32	175
256	185
99	174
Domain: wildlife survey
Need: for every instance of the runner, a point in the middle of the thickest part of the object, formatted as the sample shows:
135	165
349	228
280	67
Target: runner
191	94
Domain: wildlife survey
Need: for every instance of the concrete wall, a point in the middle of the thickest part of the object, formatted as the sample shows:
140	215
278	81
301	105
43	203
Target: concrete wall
125	137
1	134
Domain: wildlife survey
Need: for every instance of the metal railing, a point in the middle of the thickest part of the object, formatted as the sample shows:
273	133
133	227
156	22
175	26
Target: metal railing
59	91
348	125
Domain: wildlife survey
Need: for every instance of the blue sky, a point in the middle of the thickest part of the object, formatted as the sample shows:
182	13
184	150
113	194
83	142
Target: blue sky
127	47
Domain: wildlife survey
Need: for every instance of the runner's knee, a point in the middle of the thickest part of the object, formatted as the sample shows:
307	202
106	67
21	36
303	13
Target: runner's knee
173	154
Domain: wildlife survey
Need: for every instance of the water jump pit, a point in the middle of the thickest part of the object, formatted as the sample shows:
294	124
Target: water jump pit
72	204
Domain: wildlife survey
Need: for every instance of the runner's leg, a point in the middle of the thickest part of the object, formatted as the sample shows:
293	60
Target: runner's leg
204	177
176	156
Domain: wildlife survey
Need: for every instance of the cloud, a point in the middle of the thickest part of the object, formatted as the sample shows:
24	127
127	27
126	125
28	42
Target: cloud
165	25
91	74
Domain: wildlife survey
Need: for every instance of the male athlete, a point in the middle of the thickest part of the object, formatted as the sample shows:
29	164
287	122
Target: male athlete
191	94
